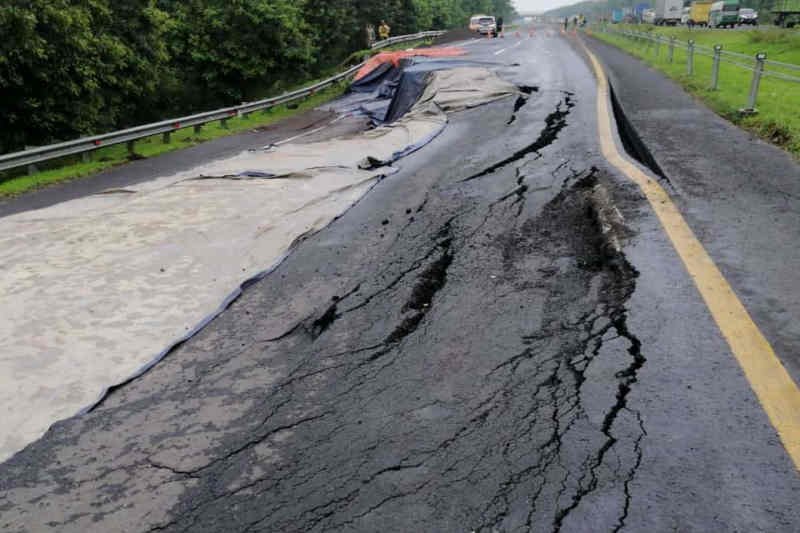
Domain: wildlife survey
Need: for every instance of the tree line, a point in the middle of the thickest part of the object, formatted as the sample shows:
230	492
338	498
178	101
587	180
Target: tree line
76	67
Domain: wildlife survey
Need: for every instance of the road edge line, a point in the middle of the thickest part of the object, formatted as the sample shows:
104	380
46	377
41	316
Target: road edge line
774	388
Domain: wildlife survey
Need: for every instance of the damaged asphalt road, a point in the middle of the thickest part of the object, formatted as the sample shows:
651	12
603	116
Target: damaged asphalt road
483	343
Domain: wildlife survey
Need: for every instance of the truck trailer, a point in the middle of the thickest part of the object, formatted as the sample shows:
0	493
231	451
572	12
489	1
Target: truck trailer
699	12
668	12
787	13
724	14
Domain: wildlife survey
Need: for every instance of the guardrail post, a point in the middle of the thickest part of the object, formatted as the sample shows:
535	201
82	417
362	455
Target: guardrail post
166	137
32	168
131	145
757	72
198	128
690	58
671	51
715	67
224	123
658	46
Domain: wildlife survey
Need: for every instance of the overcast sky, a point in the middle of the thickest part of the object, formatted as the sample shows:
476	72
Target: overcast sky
534	6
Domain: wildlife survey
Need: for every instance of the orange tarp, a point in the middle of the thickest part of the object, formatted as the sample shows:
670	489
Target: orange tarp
395	57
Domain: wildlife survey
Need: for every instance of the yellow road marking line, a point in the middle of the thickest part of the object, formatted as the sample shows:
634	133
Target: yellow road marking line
775	389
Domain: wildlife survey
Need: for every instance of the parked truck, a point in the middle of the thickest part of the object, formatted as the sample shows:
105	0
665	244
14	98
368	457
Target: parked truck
724	14
699	12
668	12
787	13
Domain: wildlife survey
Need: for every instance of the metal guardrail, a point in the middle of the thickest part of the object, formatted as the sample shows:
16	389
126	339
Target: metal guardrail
758	64
85	145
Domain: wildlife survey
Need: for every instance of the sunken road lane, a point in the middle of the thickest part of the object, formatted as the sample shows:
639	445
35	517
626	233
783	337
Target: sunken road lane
498	337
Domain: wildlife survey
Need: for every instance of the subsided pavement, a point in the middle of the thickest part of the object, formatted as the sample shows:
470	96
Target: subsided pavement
498	337
740	194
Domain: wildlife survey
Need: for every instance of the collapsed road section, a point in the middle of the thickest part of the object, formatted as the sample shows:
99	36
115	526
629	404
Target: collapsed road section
519	351
376	404
108	283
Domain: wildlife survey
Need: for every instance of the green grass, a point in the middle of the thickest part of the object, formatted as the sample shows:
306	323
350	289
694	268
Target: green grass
778	117
111	156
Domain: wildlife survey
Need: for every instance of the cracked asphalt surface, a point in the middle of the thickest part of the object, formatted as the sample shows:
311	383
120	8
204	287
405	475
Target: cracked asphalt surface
499	337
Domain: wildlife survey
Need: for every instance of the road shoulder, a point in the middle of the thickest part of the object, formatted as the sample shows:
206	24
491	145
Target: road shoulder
740	195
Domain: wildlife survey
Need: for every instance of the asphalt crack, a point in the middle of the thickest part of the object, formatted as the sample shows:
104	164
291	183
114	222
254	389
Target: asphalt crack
554	123
521	100
429	282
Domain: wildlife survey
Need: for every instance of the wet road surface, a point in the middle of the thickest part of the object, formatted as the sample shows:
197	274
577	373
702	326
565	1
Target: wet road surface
498	337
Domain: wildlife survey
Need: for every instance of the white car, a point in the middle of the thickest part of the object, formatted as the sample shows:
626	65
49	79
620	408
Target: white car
748	16
487	25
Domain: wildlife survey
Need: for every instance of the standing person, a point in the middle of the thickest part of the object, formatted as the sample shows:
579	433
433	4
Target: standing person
370	35
566	23
383	30
499	26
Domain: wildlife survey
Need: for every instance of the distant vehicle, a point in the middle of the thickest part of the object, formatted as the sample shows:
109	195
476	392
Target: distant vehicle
748	16
724	14
616	16
699	12
649	16
639	10
685	16
487	25
474	22
787	13
668	12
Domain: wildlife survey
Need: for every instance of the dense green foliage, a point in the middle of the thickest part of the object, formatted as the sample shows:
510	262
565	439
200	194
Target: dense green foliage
76	67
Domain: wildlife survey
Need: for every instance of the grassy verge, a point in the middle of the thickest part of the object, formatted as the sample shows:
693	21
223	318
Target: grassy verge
111	156
778	117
